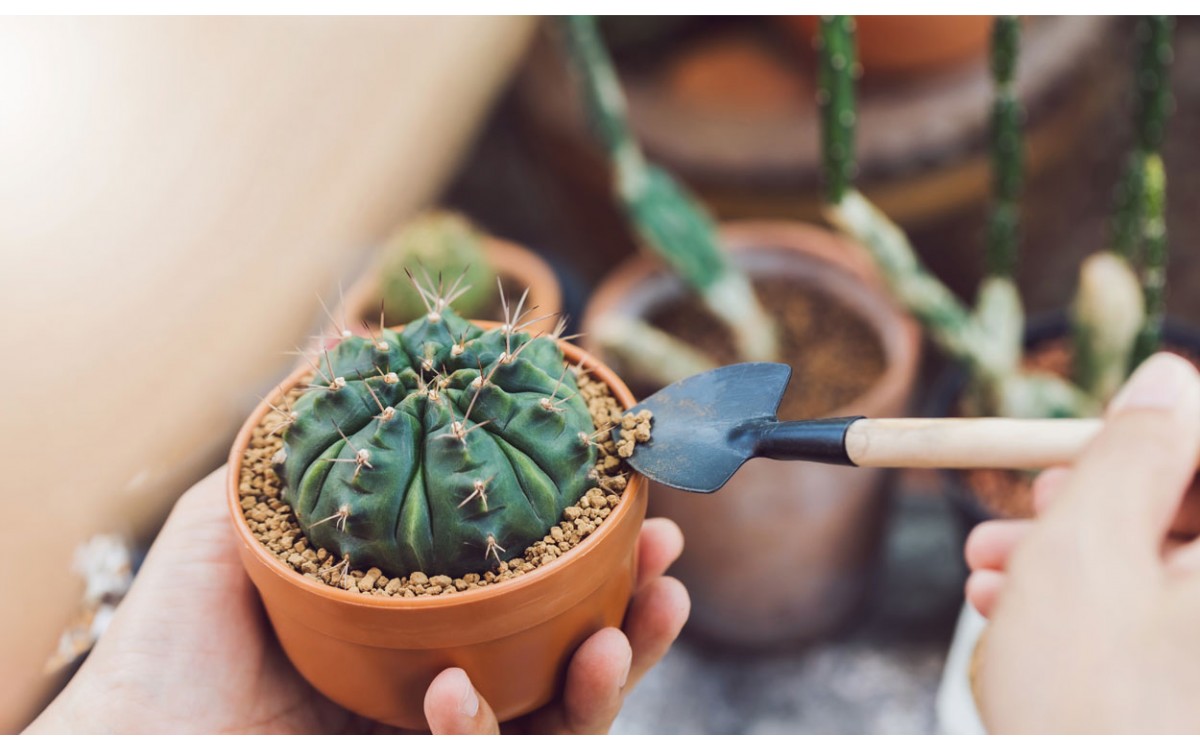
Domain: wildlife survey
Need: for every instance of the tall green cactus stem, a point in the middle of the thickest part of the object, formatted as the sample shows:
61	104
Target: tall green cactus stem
1106	318
987	341
1152	93
665	217
1006	150
439	243
835	96
1152	104
1154	262
438	448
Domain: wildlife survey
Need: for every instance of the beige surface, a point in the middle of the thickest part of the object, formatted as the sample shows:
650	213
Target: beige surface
174	193
986	443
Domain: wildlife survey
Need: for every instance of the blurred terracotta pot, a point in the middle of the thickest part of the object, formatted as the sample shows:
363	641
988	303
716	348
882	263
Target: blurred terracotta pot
377	656
785	550
518	267
904	45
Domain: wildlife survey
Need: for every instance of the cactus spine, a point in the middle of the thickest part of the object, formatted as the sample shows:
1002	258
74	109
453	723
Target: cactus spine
437	244
666	218
438	447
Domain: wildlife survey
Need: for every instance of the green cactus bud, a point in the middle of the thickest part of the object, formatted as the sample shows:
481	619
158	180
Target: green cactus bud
436	244
1106	318
440	448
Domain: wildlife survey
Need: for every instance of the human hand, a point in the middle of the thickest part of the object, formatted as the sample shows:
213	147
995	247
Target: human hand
190	650
1094	606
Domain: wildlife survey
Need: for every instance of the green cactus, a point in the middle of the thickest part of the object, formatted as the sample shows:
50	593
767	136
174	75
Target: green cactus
442	448
1154	258
439	243
987	339
1108	316
835	95
664	215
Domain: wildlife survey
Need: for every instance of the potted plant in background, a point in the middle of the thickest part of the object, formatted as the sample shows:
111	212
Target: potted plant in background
442	495
1068	368
795	543
447	244
728	107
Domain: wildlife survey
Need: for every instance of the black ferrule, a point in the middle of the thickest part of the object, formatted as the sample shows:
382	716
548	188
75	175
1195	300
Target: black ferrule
819	440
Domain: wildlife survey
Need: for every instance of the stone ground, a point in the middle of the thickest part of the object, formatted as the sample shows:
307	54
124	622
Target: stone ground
879	676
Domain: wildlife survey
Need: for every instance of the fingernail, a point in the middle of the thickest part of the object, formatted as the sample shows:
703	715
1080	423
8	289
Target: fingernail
625	673
1158	384
470	702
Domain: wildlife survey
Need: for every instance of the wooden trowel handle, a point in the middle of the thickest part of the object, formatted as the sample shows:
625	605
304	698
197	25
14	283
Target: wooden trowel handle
985	443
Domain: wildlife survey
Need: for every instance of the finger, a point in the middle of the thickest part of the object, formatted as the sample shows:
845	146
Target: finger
1127	485
1187	521
656	615
983	590
1047	486
991	543
659	545
454	706
598	671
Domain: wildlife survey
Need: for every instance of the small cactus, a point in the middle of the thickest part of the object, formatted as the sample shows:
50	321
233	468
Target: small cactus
1113	327
439	243
439	447
666	218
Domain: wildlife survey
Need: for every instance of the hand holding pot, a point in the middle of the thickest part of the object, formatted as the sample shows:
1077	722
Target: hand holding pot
1094	605
190	651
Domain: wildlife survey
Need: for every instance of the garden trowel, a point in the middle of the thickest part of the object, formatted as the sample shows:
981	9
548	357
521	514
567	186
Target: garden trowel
706	426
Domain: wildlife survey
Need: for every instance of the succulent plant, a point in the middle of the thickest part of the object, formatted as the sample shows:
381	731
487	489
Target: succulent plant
439	448
671	223
1116	316
438	243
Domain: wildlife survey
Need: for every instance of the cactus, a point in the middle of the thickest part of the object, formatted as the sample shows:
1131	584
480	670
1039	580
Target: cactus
439	243
1108	312
667	219
437	448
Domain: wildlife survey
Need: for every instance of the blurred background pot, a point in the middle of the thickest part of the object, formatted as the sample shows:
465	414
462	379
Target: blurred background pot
786	550
376	656
907	45
517	267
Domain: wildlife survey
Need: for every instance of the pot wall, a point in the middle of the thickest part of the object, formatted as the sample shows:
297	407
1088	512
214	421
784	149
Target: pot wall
377	656
785	550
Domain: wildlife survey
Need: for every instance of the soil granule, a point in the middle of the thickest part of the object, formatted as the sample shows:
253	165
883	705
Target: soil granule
834	354
273	524
1006	493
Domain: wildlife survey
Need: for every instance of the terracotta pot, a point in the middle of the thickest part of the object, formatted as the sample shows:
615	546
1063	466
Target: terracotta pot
905	45
377	656
785	551
517	266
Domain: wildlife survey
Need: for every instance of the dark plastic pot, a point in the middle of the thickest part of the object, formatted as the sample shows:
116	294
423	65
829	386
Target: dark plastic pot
948	389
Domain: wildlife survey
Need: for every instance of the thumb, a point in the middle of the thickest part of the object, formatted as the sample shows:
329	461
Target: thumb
454	706
1127	485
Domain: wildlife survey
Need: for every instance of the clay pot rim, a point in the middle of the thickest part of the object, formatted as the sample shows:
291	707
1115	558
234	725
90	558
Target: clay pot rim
507	258
575	355
898	334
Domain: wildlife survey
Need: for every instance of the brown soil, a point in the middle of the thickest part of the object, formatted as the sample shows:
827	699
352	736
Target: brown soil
834	354
272	522
1007	493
